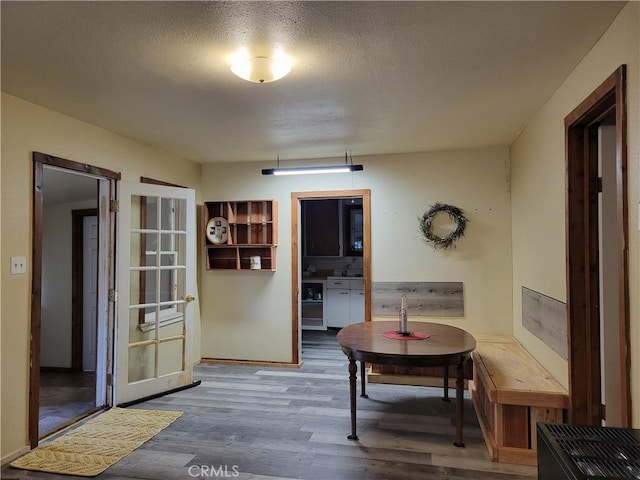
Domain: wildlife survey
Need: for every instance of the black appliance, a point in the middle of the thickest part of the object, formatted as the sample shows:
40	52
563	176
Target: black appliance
570	452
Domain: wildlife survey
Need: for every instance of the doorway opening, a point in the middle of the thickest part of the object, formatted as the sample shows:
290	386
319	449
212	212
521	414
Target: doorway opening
70	312
69	315
331	261
597	257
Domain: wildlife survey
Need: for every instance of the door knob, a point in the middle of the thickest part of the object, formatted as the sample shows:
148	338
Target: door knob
189	298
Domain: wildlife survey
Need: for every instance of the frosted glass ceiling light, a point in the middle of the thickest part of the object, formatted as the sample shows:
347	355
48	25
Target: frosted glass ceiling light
261	69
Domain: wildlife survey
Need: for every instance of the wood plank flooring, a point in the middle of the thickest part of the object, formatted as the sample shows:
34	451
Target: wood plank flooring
262	423
64	397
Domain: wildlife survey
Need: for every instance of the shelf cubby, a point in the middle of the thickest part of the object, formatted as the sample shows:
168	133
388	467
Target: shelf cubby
252	232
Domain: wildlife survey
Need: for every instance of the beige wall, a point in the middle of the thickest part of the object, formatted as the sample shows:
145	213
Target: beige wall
26	128
404	186
247	315
538	186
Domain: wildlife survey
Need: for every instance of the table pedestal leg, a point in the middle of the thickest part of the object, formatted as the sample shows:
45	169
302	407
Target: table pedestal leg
459	403
446	383
352	394
363	381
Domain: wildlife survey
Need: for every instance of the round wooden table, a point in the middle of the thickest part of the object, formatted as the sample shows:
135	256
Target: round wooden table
445	346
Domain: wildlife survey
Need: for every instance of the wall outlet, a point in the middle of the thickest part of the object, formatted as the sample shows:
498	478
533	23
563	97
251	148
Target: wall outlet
143	360
18	265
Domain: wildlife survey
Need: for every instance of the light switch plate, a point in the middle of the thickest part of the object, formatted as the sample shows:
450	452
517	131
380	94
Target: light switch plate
18	265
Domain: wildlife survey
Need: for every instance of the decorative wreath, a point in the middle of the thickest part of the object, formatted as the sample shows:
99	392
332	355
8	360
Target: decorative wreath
426	225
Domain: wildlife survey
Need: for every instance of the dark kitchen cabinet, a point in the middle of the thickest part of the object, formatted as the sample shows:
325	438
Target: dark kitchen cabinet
321	232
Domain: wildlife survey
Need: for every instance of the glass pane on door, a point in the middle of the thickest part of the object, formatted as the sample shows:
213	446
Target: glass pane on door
142	363
171	354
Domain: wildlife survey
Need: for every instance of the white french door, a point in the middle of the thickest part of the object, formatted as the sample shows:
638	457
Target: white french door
156	283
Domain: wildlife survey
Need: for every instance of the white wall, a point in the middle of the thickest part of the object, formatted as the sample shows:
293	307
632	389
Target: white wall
55	345
538	189
247	315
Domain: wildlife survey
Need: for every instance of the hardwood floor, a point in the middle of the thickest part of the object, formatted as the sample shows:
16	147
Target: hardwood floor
64	397
277	423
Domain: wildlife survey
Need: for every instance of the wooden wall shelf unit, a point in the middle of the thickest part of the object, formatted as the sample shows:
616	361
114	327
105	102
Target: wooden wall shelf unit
252	232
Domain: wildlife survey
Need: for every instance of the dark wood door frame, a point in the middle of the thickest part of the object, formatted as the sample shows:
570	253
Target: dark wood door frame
582	244
295	252
40	160
77	284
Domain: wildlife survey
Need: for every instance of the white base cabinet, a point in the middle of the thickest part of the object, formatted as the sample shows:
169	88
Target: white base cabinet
356	306
345	302
337	307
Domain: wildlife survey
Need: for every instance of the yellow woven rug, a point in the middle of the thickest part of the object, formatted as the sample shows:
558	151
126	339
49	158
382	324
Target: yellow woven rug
93	447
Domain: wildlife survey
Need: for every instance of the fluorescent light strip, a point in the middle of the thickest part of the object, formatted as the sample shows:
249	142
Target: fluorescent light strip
312	170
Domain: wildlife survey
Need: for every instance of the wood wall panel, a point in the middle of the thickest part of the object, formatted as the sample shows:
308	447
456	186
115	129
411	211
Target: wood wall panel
443	299
546	318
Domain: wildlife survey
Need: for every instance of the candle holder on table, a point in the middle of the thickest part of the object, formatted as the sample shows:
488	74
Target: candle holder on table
402	321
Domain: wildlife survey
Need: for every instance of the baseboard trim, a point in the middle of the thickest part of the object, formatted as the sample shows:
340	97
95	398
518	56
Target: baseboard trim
12	456
258	363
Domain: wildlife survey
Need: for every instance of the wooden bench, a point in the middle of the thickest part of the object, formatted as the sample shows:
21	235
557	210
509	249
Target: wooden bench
417	376
511	392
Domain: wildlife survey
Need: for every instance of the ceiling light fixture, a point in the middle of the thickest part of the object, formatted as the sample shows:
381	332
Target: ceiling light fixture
261	69
346	168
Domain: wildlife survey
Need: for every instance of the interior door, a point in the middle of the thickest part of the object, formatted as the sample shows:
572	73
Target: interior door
89	292
610	282
156	282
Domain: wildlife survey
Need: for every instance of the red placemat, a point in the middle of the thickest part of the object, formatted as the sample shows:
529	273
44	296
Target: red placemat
412	335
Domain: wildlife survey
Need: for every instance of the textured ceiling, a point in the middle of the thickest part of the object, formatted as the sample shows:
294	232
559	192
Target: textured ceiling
368	77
